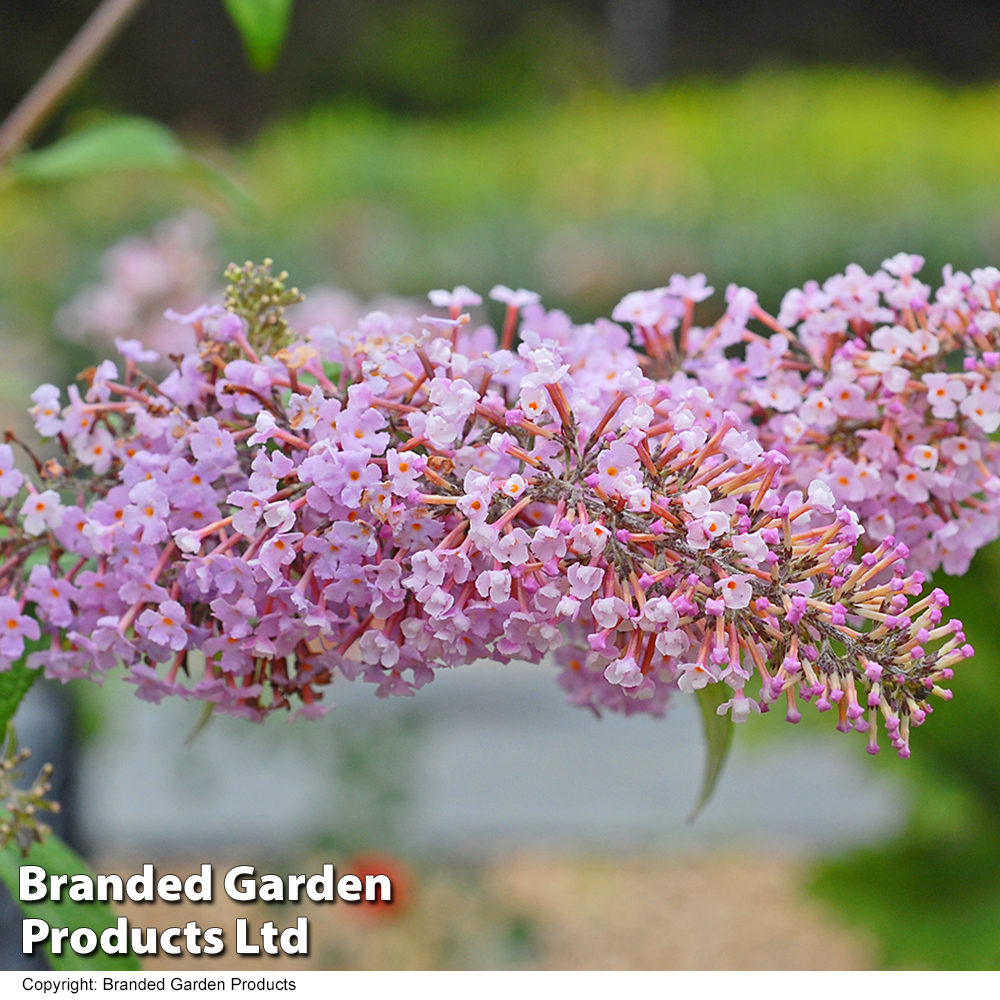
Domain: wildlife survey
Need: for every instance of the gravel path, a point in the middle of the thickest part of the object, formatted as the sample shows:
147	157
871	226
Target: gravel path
713	911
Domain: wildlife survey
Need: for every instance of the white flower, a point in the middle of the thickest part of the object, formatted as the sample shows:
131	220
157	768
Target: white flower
736	590
895	378
752	546
279	515
518	299
694	676
584	580
987	320
548	368
514	486
982	407
961	450
548	543
715	523
740	707
641	417
657	612
696	502
617	468
924	344
42	511
513	547
377	648
96	449
303	411
187	540
640	500
818	411
792	427
736	445
903	264
609	611
494	584
911	484
534	402
821	496
890	343
46	410
263	430
568	607
589	538
625	672
460	297
943	392
923	456
672	643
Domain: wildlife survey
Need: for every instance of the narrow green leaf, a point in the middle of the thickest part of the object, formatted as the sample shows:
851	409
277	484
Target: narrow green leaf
718	739
14	684
115	144
262	25
204	717
57	858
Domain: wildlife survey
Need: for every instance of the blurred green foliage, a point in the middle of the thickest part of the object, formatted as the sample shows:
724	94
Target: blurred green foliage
767	181
931	899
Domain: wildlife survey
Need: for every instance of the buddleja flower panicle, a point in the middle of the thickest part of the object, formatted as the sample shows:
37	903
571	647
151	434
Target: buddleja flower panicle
414	494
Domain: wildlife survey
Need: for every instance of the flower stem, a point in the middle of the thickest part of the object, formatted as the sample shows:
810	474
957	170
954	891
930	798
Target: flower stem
65	73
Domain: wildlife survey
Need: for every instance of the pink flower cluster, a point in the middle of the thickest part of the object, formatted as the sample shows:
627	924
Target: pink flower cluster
660	512
883	391
141	276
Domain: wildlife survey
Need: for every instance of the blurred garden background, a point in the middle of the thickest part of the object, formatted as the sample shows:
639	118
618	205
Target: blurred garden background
582	149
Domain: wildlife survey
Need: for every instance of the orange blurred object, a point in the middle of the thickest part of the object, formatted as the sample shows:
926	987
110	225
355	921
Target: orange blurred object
400	876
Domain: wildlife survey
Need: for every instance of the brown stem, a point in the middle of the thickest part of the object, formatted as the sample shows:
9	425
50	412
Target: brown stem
62	76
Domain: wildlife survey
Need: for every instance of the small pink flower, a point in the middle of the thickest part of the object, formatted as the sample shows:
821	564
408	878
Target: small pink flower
736	590
694	676
739	707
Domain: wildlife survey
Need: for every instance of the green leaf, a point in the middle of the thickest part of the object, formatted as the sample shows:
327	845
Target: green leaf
14	684
114	144
718	739
262	25
127	143
57	858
